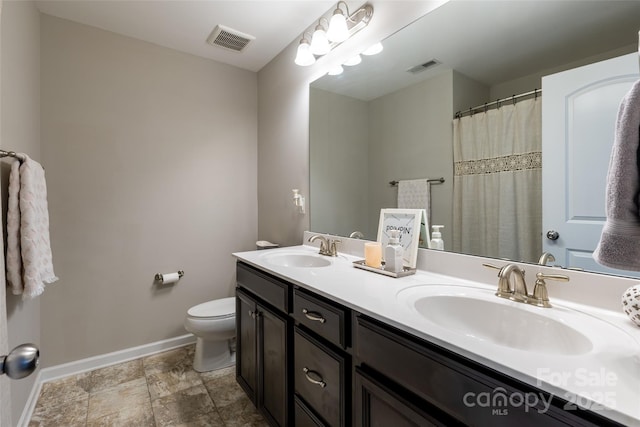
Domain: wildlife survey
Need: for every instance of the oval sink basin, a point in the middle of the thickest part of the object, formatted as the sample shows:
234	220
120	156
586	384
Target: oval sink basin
297	260
479	314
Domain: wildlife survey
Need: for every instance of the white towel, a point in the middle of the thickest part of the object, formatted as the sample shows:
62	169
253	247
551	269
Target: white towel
29	259
415	194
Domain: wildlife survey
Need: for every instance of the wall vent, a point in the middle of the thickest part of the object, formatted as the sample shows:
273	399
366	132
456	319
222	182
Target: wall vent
423	67
229	38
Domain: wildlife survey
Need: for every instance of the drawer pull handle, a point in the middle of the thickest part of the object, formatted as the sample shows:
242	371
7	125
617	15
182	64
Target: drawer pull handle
313	377
312	315
253	314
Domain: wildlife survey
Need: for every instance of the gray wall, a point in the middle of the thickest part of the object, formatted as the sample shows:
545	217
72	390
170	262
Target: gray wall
20	131
150	156
339	147
283	120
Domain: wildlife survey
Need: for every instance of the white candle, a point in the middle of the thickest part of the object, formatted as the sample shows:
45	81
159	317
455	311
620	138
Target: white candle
373	254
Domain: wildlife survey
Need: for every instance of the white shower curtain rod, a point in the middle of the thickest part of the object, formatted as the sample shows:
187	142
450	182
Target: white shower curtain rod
497	103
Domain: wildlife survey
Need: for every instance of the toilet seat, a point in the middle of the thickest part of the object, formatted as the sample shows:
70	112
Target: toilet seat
216	309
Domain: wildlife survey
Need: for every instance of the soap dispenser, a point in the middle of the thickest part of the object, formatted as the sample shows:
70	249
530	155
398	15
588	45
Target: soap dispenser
436	238
393	253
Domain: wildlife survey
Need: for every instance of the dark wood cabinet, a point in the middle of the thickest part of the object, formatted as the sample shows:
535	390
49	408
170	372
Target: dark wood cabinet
377	405
263	358
305	360
457	386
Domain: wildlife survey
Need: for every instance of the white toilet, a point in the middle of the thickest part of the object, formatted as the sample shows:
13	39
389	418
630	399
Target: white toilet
214	325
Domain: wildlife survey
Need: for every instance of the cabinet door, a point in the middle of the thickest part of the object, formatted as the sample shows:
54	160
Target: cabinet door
247	344
378	406
273	357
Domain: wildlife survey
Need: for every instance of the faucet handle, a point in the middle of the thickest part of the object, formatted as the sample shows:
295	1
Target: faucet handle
556	277
333	250
540	296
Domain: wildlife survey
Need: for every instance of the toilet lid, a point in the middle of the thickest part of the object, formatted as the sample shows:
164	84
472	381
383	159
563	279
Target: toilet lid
224	307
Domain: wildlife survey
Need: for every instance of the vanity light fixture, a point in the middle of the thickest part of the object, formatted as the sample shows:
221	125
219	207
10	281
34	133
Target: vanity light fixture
374	49
337	70
319	41
341	27
304	57
354	60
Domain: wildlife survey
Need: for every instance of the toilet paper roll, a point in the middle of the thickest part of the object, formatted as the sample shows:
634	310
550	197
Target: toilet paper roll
169	278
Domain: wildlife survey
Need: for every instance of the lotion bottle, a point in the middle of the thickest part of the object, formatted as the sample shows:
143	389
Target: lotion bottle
436	238
393	253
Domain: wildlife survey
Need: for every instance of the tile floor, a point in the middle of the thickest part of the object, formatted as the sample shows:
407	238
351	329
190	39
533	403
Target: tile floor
158	390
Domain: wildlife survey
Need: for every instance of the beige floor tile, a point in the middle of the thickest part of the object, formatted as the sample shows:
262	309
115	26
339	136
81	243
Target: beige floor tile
183	407
121	403
70	389
111	376
163	384
66	413
212	375
242	413
177	360
224	390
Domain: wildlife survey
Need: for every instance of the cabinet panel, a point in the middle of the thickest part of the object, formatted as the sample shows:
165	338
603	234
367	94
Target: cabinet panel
320	377
451	383
379	406
274	357
304	417
325	319
246	344
268	288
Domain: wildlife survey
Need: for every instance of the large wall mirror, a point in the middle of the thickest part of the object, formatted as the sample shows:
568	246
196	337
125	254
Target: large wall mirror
391	117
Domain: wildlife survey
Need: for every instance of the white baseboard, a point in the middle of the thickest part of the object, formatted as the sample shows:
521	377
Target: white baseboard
96	362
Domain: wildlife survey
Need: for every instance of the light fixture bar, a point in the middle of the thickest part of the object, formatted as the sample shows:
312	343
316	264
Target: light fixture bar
323	40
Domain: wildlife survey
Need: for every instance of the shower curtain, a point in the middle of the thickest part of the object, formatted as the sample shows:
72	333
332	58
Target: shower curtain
498	182
5	395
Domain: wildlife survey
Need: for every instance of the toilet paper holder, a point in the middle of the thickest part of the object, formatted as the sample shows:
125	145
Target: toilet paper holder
159	276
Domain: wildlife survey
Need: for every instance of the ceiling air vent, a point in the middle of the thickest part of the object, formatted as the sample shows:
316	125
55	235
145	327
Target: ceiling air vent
229	38
422	67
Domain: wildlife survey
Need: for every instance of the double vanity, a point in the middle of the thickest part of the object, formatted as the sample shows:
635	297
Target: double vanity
321	343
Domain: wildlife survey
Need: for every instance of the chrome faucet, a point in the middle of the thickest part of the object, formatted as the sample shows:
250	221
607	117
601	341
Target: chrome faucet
328	247
545	258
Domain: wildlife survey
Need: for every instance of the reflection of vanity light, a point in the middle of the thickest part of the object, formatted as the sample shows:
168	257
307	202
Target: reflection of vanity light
336	70
373	50
355	60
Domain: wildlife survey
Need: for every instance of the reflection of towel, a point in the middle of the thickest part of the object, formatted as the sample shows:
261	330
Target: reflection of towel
619	245
29	260
415	194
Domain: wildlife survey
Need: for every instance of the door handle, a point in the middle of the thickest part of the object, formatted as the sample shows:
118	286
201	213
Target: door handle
20	362
553	235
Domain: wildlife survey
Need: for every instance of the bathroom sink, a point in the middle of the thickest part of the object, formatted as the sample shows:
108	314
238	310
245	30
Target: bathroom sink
297	260
480	315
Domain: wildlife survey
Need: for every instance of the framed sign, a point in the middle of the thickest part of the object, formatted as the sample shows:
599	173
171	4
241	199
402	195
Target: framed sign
408	223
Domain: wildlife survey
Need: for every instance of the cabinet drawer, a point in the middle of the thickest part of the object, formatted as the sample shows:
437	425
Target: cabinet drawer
324	319
270	289
320	376
304	417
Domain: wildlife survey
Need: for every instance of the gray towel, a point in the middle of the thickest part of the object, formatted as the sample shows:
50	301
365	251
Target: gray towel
619	245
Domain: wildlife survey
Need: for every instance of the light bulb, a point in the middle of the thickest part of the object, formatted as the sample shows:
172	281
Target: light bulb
373	50
336	70
354	60
338	31
304	57
319	42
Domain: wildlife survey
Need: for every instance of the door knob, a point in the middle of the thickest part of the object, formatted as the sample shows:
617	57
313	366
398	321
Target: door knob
20	362
553	235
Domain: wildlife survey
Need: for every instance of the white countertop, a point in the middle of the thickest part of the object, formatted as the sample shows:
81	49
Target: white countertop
605	379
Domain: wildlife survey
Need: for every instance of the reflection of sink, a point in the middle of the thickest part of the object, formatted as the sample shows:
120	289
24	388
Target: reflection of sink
480	315
297	260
